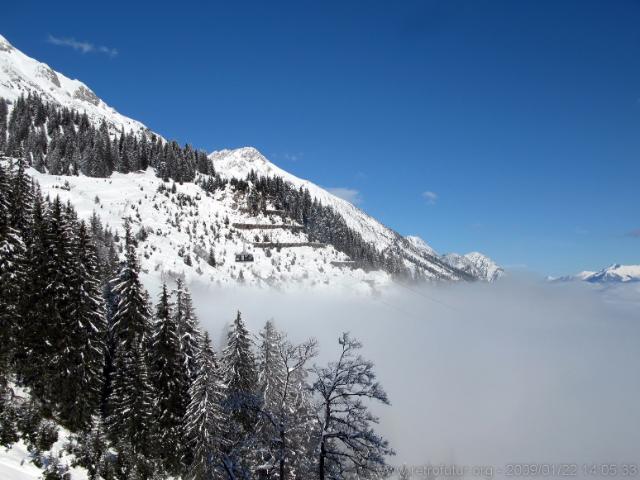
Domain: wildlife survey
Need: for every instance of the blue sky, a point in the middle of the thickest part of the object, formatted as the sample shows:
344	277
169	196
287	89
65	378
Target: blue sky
512	128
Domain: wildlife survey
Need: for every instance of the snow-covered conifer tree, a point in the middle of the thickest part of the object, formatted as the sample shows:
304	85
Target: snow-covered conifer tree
204	419
131	316
51	308
169	378
240	376
83	346
131	401
187	326
286	423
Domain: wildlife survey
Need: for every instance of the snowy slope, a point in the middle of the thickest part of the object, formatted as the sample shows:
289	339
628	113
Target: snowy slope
420	244
175	232
476	264
16	462
21	75
615	273
240	162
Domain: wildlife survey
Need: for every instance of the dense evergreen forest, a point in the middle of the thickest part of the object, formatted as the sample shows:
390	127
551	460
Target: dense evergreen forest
60	141
140	386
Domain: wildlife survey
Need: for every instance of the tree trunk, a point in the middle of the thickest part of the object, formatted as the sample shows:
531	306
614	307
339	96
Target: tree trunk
323	449
323	452
283	447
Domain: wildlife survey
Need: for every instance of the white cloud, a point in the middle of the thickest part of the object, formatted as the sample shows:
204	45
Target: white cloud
430	197
349	194
83	47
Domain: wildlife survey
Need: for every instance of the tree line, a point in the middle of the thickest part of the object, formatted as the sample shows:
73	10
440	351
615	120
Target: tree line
140	386
63	141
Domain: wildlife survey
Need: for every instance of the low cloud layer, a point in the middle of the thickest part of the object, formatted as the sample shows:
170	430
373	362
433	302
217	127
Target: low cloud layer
479	374
83	47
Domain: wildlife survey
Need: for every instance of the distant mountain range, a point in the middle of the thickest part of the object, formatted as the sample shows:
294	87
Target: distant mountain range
615	273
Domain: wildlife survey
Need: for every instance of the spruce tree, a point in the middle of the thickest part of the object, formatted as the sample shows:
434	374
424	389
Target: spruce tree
5	194
84	341
34	304
12	280
131	316
20	200
188	330
3	125
270	366
131	401
240	376
271	377
204	419
58	298
47	303
170	381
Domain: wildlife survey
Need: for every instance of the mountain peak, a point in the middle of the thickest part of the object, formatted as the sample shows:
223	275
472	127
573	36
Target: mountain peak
476	264
420	244
22	75
615	273
5	46
239	162
249	153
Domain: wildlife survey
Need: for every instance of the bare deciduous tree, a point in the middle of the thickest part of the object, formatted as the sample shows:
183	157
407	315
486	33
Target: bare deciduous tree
348	443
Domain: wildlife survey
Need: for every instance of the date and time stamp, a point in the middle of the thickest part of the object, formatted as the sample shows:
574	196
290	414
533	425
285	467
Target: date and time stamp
598	470
527	470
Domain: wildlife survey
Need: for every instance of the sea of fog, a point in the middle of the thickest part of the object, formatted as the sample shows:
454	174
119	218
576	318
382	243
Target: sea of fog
520	372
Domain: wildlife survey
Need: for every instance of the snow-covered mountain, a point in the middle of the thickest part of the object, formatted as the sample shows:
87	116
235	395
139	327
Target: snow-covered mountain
180	228
615	273
421	245
475	264
240	162
21	75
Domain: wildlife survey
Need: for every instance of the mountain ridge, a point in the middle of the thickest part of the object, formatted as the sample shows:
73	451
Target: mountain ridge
21	75
615	273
